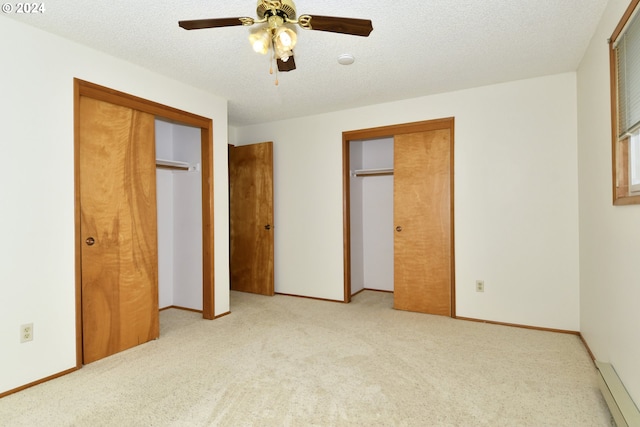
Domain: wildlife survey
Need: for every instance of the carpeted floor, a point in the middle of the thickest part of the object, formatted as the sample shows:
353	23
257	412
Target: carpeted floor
286	361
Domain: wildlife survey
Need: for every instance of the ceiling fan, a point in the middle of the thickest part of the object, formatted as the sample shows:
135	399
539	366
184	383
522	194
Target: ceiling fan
278	32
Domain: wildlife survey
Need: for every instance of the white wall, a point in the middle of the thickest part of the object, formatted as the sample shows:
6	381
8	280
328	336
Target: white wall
516	215
187	275
378	232
165	203
37	279
609	235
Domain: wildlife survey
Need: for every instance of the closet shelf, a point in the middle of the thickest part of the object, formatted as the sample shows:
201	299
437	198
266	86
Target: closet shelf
176	165
373	172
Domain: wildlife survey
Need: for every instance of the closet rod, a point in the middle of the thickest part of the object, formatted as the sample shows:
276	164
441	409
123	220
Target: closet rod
171	167
373	172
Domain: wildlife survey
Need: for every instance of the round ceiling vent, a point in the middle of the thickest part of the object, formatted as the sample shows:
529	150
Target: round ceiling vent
346	59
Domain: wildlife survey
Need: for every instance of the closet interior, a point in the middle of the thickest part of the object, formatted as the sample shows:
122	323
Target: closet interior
371	215
179	202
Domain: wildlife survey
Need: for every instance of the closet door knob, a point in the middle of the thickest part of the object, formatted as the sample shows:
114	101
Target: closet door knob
398	229
267	227
90	241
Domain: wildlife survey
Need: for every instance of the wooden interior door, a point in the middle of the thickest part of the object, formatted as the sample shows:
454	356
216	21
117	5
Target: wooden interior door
422	217
119	254
251	218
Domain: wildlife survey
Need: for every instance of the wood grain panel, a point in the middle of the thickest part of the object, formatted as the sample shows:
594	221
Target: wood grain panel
118	209
208	232
92	90
422	211
86	89
400	129
251	230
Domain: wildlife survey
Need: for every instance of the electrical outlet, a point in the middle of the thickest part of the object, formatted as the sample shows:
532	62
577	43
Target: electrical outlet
26	332
479	285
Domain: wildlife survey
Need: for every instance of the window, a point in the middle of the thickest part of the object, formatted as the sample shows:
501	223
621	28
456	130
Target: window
625	106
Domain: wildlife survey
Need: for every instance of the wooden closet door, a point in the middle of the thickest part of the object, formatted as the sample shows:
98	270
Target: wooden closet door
118	228
251	218
422	217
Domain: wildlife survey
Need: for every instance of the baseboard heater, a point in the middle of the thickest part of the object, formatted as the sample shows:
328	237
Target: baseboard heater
624	411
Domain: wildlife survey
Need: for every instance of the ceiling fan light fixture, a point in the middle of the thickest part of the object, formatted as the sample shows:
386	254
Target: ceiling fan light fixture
260	41
285	38
278	21
282	54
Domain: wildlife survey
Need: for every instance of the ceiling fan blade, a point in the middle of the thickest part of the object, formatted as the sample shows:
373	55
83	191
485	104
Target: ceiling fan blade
198	24
333	24
290	65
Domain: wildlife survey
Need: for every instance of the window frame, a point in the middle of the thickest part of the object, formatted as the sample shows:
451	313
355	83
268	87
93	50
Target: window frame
634	164
622	190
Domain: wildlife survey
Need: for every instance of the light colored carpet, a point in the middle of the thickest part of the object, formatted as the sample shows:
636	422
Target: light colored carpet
286	361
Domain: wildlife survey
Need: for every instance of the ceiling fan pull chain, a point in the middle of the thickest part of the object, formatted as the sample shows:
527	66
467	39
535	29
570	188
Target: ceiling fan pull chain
271	71
273	48
271	61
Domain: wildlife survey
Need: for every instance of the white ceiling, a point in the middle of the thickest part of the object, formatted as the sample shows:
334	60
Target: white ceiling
417	47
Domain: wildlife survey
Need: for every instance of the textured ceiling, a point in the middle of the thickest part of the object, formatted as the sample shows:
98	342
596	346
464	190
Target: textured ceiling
417	47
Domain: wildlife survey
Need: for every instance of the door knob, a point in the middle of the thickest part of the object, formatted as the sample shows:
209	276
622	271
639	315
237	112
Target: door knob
267	227
398	229
90	241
